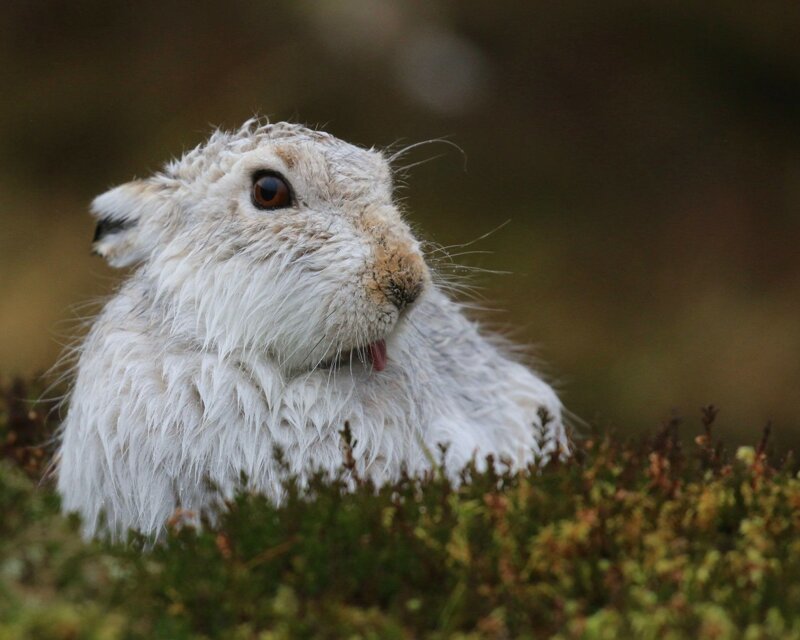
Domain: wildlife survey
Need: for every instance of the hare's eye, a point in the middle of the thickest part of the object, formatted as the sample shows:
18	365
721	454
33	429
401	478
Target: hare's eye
271	191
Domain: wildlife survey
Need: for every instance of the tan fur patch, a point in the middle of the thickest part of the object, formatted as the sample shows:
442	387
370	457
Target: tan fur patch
287	156
399	272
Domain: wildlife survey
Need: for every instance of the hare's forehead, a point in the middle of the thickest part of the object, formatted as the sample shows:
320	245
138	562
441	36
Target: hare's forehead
321	165
331	165
335	161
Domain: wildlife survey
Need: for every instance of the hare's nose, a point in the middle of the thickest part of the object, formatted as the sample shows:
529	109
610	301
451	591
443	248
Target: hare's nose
398	270
402	292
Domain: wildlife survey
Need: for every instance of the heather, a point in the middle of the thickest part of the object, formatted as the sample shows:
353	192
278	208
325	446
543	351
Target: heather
661	537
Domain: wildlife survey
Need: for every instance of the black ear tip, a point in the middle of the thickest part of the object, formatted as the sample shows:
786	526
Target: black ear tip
107	226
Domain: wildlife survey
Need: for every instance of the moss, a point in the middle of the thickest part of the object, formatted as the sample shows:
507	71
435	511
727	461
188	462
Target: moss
645	540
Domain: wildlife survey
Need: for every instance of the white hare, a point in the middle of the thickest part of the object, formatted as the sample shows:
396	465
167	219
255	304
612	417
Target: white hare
278	295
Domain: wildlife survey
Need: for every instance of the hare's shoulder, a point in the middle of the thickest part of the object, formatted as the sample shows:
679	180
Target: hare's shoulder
478	373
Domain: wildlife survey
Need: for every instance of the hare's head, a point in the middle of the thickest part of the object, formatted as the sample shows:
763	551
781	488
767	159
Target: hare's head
275	238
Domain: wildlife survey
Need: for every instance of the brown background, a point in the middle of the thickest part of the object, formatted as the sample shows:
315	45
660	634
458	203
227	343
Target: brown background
646	155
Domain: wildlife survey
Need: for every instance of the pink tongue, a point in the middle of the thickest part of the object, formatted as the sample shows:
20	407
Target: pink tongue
377	353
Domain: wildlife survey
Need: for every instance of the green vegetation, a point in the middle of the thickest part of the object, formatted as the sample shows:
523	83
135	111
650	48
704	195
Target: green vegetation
628	540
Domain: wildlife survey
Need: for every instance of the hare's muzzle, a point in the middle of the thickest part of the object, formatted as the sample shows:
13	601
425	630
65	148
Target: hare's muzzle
400	275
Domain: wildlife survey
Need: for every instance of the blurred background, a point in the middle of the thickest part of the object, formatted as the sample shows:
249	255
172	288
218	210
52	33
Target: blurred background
645	154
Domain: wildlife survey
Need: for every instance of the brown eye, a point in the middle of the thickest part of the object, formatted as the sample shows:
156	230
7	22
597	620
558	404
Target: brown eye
270	191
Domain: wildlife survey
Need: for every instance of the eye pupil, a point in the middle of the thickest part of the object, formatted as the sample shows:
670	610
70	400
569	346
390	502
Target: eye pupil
271	192
269	188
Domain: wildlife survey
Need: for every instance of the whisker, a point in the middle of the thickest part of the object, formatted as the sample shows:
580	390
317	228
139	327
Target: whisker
415	145
408	167
479	238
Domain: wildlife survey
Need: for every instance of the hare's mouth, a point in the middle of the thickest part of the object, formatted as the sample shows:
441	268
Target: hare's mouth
373	354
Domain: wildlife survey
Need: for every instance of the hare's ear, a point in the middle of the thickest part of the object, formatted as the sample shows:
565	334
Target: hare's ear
119	236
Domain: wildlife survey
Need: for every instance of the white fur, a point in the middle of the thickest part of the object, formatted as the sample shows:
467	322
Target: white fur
214	349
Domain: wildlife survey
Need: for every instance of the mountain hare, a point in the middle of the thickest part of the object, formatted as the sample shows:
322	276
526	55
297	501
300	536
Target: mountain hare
278	296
